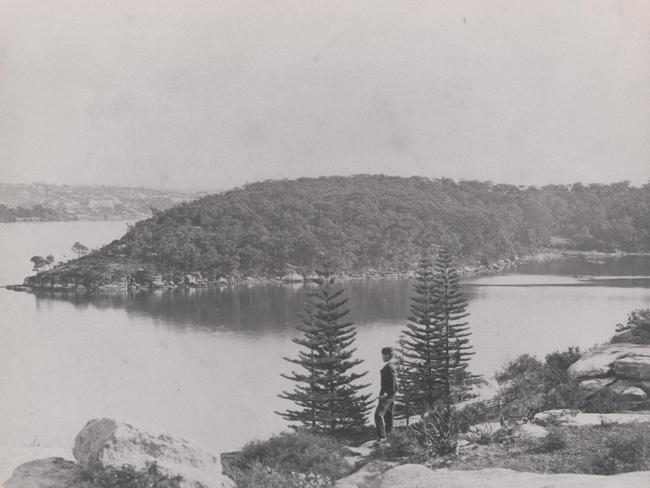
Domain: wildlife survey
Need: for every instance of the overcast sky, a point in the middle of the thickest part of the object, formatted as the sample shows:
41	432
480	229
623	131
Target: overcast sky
205	94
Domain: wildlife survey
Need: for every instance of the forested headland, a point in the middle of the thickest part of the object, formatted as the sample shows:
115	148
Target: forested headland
378	222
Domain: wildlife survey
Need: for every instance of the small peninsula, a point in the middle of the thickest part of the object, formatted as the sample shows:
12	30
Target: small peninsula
373	225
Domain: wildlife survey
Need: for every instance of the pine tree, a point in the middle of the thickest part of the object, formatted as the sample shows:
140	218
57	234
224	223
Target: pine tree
435	344
453	347
419	369
327	395
405	404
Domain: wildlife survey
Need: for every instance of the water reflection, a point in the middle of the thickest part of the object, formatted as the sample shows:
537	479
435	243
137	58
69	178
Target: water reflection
259	309
272	308
587	265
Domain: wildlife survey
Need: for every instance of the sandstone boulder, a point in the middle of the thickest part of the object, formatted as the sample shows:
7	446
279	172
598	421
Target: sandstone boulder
418	476
366	475
158	281
630	390
49	473
637	366
105	448
530	436
406	475
292	277
599	362
634	393
595	384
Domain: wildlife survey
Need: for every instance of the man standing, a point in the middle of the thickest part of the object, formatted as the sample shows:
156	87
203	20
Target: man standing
386	405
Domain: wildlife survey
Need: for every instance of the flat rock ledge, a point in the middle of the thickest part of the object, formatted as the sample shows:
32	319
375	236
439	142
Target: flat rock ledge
419	476
106	451
577	418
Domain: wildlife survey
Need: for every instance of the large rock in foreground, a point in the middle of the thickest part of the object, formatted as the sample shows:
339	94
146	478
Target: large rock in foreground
49	473
105	448
366	475
418	476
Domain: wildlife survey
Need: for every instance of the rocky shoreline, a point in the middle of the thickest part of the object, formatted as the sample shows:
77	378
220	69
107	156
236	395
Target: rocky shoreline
143	279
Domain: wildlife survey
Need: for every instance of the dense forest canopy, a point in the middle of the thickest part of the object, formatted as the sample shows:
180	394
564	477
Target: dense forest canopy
376	221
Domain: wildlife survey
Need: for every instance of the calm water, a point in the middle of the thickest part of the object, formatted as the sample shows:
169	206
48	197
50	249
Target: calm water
205	364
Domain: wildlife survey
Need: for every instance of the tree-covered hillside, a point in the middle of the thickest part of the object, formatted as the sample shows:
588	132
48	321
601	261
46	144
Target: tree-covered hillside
376	221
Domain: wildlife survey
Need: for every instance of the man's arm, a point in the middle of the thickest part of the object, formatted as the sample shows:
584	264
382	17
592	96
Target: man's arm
387	382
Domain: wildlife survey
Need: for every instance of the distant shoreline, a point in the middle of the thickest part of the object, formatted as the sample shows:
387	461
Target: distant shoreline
195	280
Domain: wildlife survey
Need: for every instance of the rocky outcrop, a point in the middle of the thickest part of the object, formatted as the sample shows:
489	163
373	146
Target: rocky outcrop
406	475
109	453
418	476
637	331
619	367
292	277
104	447
49	473
366	475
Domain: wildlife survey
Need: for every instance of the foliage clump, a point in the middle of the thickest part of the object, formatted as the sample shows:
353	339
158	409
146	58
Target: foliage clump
636	329
624	452
289	460
528	385
128	477
605	400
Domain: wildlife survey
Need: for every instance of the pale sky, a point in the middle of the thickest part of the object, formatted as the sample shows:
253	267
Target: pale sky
198	94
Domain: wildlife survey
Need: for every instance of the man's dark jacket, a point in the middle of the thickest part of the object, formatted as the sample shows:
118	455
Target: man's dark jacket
388	380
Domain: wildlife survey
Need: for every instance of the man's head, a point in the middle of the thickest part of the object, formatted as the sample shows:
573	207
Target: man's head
387	353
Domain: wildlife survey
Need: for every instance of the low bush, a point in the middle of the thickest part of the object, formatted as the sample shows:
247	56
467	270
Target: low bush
528	385
438	431
605	401
485	438
260	476
129	477
297	459
401	443
623	453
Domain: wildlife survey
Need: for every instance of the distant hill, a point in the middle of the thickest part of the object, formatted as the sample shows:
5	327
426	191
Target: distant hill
41	202
374	222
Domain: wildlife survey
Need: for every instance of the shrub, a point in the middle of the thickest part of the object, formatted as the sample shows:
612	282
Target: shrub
605	401
260	476
129	477
637	328
485	438
439	429
623	453
528	385
401	443
300	456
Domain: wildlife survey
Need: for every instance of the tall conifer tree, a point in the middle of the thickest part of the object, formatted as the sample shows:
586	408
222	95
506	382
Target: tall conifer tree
327	395
435	344
453	347
419	370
